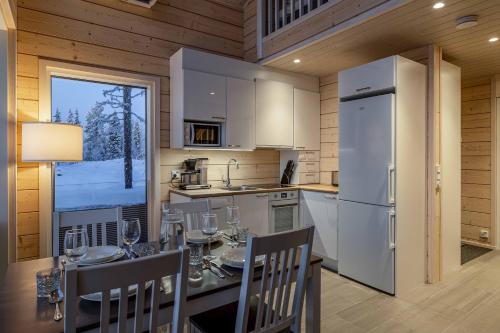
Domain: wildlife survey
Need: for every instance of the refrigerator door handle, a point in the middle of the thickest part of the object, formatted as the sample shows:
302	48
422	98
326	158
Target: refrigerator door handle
390	183
391	229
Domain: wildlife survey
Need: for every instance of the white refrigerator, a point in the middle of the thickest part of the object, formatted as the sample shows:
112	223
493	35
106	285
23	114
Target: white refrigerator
378	105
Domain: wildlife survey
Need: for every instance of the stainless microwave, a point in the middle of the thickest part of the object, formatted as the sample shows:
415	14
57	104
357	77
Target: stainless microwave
202	134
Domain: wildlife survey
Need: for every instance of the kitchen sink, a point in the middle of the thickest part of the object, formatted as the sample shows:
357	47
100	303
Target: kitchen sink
241	188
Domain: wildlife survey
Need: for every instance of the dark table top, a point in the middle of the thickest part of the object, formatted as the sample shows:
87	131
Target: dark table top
22	311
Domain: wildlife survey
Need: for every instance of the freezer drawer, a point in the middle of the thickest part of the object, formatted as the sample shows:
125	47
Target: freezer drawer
366	244
375	76
366	150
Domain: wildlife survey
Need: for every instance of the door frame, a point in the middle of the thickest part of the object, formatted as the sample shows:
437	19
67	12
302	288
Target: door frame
49	68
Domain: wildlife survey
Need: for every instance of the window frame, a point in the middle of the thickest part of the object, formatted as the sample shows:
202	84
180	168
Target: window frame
48	69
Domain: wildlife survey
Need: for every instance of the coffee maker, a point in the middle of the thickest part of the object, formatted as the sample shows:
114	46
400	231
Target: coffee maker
194	176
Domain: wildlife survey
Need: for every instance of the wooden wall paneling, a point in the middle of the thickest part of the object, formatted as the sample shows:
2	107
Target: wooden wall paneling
329	105
116	35
250	31
477	147
125	21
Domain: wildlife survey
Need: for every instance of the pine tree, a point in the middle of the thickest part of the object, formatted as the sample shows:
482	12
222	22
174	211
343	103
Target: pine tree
120	99
94	139
114	144
70	119
76	120
57	116
137	151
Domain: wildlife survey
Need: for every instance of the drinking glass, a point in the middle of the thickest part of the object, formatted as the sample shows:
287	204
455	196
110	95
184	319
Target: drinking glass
47	281
195	262
242	235
172	229
131	232
209	227
233	219
76	244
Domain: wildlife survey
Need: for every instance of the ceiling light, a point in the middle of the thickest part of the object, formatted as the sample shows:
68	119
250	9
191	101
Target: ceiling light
438	5
296	61
493	39
466	21
212	93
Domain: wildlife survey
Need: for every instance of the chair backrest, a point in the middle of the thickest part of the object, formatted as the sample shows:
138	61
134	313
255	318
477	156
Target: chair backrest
103	278
193	212
94	220
275	288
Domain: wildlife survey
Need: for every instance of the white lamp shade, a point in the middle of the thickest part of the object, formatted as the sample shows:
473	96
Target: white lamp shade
51	142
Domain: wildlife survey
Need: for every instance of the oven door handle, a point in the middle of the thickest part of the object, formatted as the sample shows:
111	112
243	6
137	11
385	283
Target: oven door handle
287	205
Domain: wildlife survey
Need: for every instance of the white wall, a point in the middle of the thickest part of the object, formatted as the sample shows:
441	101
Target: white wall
450	167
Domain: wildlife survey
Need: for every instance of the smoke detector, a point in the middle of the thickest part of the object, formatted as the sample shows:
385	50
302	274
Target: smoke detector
466	21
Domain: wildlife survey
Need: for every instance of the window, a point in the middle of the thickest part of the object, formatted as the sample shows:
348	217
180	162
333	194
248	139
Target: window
113	170
121	164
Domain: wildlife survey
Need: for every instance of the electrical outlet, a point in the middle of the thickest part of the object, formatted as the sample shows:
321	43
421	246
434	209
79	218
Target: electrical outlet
175	174
485	234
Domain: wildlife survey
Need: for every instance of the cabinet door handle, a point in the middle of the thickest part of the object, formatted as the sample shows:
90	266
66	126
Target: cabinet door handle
300	147
262	195
222	118
390	183
234	146
390	229
330	196
363	89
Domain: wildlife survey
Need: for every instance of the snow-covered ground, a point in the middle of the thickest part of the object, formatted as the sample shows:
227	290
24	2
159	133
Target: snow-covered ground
98	184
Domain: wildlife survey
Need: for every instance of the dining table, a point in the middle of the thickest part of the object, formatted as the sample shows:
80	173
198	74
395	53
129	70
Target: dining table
22	311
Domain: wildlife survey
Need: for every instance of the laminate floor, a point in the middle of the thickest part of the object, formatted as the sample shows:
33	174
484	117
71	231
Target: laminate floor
466	301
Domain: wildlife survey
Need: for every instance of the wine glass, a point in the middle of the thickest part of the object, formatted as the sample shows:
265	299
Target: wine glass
233	219
76	244
209	227
131	232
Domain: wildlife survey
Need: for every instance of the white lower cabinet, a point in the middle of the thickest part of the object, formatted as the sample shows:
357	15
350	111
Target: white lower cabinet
254	212
217	204
320	209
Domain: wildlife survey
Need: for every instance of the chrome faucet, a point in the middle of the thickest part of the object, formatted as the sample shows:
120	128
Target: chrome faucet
228	180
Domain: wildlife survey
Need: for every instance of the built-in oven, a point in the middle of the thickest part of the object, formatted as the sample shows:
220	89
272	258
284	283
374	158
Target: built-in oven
283	211
198	134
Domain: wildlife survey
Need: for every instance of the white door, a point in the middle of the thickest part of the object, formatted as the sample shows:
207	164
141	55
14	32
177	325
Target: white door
274	114
306	125
366	150
320	209
366	244
204	96
240	124
254	212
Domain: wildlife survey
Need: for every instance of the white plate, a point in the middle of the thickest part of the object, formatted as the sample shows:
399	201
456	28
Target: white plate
101	254
114	294
198	237
235	258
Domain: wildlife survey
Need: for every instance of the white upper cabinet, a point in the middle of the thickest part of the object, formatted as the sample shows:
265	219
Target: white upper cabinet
306	124
204	96
240	124
274	114
375	76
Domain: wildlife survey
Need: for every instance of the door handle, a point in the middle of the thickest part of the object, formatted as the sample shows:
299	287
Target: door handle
262	195
222	118
363	89
391	229
390	183
330	196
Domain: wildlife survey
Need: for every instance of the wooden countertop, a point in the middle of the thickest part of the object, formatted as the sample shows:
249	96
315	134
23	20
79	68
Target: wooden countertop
220	192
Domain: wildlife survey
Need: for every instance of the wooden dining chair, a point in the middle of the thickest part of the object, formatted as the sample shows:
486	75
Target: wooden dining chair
99	221
275	303
103	278
193	212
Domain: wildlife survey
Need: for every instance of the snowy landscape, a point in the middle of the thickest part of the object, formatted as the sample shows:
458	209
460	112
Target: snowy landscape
98	184
113	170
